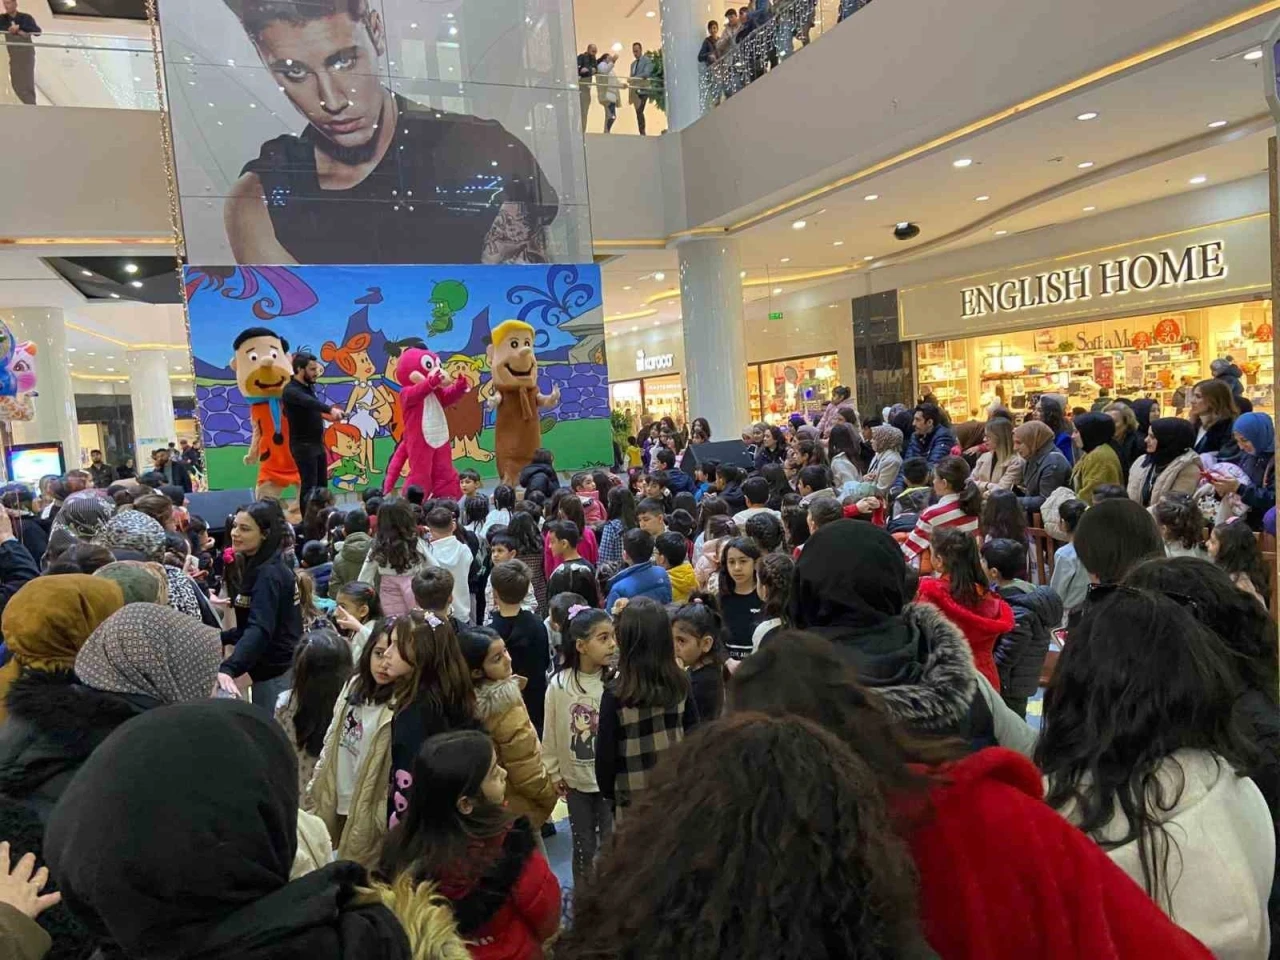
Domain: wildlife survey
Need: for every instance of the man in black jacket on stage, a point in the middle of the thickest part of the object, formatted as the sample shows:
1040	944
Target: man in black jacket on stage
306	414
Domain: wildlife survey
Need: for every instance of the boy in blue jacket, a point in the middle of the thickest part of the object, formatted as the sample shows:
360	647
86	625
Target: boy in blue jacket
643	578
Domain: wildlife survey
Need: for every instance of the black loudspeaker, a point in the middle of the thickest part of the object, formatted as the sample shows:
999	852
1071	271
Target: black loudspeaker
214	507
723	451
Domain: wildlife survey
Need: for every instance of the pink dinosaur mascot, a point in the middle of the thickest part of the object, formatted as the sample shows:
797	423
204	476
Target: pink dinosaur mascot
426	391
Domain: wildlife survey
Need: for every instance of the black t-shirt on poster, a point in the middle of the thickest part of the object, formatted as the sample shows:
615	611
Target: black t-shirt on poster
741	613
431	199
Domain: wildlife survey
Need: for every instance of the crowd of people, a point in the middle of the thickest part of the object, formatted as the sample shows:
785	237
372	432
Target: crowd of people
784	701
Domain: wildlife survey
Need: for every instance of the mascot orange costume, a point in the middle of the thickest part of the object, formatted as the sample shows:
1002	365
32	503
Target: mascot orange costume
263	368
514	369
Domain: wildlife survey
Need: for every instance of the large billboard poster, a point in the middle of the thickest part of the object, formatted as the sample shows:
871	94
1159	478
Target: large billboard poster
359	319
376	131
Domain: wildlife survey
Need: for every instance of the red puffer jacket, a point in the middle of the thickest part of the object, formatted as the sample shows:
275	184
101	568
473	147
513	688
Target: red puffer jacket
1005	877
513	907
982	626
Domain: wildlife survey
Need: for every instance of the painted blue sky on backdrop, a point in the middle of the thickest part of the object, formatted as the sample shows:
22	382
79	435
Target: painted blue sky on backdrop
307	304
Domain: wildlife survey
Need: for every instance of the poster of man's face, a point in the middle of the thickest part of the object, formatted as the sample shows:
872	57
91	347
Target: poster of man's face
376	131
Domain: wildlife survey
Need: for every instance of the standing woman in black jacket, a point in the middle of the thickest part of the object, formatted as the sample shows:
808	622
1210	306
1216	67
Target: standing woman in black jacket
264	595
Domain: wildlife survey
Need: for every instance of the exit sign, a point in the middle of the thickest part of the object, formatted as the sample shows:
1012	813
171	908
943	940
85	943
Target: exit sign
775	315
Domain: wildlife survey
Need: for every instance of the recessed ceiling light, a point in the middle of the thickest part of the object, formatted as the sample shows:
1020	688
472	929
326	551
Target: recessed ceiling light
902	224
776	291
650	14
453	31
1253	55
982	199
71	349
1090	209
799	224
785	260
1084	165
872	196
1001	233
110	356
111	369
1216	124
837	243
659	275
130	268
413	26
626	288
742	274
617	46
635	329
86	273
92	354
832	306
1088	115
136	283
1199	179
115	296
961	163
868	258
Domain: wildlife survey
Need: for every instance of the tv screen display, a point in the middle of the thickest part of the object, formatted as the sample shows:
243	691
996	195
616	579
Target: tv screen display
29	462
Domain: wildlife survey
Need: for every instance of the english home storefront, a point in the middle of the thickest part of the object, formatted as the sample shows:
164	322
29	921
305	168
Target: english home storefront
1136	319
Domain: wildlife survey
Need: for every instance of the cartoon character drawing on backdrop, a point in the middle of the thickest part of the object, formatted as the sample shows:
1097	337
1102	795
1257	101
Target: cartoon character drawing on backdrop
343	441
466	417
425	391
369	406
514	368
17	398
448	298
263	368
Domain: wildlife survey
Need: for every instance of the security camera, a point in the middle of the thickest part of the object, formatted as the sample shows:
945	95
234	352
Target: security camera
906	231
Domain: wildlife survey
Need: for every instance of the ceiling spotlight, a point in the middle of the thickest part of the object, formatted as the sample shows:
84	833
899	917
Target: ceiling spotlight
872	196
776	291
111	369
742	274
453	31
785	260
659	275
961	163
982	199
635	329
1197	180
68	3
130	268
617	46
1084	165
86	273
626	288
1001	233
92	354
115	296
1216	124
1088	115
1253	55
868	259
837	243
137	284
799	224
1090	209
905	231
650	14
71	349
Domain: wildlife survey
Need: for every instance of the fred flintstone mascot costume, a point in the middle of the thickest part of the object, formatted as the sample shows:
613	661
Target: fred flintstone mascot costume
514	369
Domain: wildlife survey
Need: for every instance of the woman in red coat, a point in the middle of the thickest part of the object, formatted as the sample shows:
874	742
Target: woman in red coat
960	592
1001	875
457	833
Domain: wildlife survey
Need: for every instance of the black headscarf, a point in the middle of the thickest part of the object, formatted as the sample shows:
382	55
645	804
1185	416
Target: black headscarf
176	839
1095	429
850	574
1174	437
1142	410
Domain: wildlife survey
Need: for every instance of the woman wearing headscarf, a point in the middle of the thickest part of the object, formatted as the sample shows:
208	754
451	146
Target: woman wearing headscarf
177	837
1255	435
1171	464
850	586
1100	463
81	519
140	582
1044	468
131	535
886	441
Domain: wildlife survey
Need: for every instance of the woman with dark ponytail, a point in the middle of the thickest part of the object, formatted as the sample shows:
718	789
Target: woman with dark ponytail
958	507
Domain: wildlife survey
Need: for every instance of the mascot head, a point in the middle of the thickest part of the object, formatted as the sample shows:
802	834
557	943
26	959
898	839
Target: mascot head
510	354
420	361
261	363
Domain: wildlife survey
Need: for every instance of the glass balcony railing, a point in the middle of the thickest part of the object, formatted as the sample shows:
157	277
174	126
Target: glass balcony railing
79	70
772	34
615	105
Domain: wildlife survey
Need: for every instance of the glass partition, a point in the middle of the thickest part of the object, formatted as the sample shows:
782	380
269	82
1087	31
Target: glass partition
79	70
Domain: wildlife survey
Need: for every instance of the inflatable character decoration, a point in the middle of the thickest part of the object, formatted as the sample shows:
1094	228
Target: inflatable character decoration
425	390
263	369
514	369
17	377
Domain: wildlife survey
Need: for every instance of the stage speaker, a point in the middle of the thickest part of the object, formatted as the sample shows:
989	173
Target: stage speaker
723	451
213	507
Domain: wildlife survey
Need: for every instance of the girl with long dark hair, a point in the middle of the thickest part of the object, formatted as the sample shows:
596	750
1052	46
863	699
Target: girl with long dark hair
1213	412
1003	517
398	554
622	517
736	595
845	450
698	633
771	449
457	834
321	668
1051	411
1140	750
264	596
1234	548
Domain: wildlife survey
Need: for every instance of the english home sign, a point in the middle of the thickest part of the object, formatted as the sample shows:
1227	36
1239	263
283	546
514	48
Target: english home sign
1164	269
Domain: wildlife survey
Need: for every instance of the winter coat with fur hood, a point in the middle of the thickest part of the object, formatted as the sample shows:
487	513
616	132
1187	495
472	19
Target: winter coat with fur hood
500	707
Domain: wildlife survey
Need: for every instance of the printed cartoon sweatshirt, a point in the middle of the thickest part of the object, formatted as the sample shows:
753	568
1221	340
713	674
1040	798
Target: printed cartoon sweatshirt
569	729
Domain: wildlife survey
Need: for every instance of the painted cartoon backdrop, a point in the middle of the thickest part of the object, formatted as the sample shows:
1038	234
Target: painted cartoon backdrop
358	319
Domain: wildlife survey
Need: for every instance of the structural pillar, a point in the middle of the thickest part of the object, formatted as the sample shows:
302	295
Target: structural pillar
55	403
715	350
684	27
152	400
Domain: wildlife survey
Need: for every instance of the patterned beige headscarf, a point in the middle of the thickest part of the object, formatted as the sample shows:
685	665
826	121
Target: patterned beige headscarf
152	651
885	437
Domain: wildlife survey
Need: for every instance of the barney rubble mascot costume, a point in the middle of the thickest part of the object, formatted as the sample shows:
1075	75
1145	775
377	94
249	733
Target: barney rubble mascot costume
262	367
514	369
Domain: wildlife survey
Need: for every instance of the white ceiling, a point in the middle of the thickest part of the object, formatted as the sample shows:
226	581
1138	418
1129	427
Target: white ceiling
1151	137
606	22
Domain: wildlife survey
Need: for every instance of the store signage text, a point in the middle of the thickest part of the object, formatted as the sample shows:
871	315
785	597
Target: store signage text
1196	263
661	361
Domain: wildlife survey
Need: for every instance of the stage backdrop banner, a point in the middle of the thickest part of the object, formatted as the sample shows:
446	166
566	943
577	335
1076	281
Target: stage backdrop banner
376	131
357	319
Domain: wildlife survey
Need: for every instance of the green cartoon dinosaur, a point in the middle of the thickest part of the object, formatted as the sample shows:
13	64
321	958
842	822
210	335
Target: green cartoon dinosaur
447	298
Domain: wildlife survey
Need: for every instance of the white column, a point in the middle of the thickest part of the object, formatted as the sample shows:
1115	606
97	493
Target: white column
55	406
152	401
684	26
715	351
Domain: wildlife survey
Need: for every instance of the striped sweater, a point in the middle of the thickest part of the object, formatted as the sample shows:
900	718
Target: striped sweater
945	513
